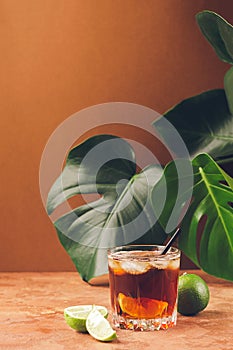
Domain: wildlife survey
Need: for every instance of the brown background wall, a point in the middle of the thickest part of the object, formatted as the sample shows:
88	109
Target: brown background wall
60	56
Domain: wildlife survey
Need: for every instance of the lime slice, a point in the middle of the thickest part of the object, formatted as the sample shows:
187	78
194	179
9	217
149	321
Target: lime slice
76	316
98	327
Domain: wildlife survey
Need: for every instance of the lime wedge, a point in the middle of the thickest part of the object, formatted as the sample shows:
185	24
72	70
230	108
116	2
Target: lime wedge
76	316
98	327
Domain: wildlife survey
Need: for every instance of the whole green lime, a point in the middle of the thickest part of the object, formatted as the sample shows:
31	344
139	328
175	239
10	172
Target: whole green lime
193	294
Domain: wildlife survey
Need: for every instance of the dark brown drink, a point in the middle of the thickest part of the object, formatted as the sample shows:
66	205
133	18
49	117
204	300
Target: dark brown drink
143	287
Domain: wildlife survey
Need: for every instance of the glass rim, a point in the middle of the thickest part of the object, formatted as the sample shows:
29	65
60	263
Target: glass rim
116	252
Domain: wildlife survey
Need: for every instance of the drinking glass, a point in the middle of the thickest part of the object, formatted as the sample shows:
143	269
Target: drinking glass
143	286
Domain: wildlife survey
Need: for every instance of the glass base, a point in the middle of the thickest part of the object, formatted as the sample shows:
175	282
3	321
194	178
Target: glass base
153	324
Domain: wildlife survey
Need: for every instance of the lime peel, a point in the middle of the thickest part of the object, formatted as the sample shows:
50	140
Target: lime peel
193	294
76	316
99	327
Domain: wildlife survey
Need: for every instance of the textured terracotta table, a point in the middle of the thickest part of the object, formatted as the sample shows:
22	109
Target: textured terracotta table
31	316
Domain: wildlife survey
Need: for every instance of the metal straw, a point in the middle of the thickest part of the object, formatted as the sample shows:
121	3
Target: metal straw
171	240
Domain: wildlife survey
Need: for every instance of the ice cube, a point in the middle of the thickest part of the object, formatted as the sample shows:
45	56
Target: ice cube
135	267
159	264
174	264
114	264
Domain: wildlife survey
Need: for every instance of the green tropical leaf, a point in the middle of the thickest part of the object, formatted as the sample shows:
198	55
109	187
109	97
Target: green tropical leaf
228	86
123	214
207	227
205	124
94	159
218	32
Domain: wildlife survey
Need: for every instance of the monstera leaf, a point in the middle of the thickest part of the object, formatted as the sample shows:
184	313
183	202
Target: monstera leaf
122	214
207	227
218	32
205	124
127	204
228	85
